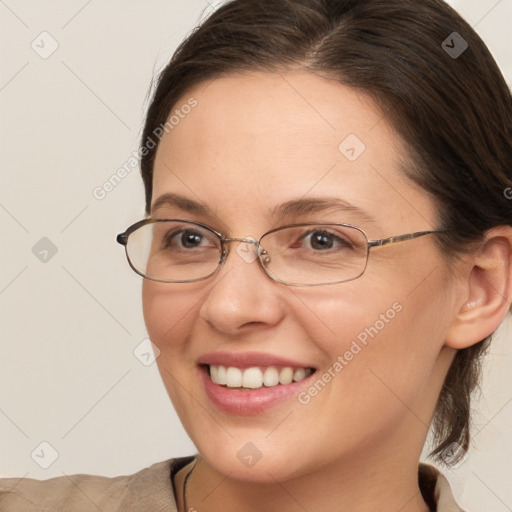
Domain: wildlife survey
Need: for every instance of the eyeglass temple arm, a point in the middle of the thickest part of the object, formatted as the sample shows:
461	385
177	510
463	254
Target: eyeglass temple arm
122	238
400	238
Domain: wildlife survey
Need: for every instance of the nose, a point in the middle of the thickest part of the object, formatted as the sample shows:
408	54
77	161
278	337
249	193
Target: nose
242	296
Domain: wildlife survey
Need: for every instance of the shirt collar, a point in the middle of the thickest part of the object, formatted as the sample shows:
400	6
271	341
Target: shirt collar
153	484
436	490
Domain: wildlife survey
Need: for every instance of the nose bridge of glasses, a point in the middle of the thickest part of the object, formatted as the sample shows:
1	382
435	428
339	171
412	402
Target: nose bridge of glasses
245	240
249	240
243	250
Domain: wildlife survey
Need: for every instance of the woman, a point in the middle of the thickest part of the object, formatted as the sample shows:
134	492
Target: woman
326	254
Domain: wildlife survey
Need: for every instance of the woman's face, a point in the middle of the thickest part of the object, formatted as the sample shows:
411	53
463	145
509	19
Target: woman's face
251	144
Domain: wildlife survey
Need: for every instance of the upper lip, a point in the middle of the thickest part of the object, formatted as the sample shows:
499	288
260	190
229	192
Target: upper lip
248	360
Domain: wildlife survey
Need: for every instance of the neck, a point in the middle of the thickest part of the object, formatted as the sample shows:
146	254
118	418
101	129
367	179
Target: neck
384	483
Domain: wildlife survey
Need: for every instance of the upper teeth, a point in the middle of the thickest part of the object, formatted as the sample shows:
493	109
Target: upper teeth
255	377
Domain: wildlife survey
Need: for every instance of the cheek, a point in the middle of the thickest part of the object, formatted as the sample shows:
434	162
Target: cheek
380	352
168	313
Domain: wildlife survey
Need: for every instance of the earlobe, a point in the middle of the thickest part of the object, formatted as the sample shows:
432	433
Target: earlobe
487	291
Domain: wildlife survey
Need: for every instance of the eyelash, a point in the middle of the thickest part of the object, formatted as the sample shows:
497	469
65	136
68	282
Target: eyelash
342	242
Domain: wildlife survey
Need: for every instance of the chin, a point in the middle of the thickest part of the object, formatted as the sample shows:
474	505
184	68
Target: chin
255	465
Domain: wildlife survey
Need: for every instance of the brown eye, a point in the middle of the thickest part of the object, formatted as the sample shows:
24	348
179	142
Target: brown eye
185	239
321	240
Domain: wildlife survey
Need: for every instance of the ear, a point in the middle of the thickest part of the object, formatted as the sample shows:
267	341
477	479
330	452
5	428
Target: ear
486	290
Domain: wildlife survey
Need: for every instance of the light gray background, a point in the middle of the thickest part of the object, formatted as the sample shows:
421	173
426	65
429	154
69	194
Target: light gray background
68	374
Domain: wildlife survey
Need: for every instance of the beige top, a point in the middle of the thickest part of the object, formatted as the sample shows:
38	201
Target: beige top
151	489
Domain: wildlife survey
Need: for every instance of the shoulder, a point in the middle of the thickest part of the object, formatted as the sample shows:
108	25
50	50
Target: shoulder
436	490
148	489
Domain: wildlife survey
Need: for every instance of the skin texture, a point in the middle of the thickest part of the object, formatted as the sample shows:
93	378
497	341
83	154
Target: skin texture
253	142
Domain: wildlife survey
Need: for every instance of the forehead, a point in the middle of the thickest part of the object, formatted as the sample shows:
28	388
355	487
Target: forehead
260	139
276	109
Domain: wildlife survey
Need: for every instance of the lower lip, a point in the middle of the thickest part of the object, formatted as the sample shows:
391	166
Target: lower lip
253	401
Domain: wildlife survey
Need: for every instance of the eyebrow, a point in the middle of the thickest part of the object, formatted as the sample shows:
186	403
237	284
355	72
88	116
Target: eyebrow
305	206
292	208
183	203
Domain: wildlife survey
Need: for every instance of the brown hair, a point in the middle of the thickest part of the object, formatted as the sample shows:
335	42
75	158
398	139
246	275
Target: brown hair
454	113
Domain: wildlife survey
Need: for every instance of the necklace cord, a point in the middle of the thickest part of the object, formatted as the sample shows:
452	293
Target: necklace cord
185	482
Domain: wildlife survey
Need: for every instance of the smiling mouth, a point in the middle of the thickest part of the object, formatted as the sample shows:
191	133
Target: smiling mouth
256	377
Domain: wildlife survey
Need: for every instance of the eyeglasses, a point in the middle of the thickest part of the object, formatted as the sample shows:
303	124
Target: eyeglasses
311	254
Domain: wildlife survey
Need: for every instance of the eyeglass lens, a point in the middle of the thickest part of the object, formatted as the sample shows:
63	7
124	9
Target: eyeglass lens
302	254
